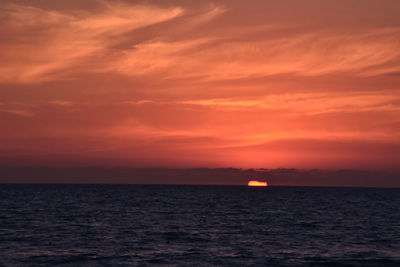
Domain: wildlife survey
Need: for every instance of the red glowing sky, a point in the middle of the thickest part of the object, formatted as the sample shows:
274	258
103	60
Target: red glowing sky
305	84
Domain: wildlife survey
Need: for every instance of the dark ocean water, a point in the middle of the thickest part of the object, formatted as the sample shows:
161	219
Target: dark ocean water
144	225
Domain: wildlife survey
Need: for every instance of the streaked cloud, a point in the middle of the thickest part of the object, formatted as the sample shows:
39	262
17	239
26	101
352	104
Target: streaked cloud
310	104
19	112
304	54
53	42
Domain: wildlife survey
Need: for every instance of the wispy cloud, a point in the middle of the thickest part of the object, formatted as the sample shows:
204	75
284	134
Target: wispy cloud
304	54
19	112
310	103
53	41
60	45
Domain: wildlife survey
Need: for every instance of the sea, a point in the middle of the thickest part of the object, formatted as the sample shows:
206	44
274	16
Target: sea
182	225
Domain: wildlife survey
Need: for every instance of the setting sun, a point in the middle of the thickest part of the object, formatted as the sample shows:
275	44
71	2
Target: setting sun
257	183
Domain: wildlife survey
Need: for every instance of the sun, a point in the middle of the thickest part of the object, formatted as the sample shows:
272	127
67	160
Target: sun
257	183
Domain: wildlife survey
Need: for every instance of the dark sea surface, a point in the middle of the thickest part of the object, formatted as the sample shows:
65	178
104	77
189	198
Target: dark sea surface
145	225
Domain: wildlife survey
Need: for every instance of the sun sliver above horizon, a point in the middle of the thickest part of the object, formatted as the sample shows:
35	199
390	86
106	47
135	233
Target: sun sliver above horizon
257	183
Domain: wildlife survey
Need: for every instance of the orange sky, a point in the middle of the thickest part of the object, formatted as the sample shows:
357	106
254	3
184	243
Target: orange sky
305	84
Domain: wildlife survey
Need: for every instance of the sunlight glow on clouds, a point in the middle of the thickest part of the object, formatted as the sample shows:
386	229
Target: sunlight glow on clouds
194	83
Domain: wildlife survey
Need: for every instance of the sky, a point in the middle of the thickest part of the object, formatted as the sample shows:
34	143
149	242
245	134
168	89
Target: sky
180	84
